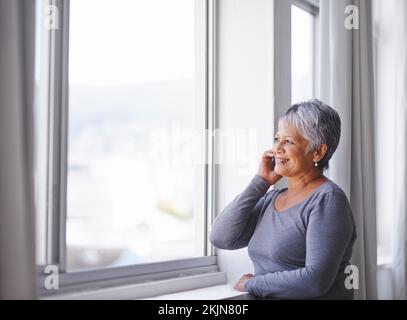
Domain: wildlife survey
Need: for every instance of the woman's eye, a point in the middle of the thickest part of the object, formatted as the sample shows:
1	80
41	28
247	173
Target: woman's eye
286	141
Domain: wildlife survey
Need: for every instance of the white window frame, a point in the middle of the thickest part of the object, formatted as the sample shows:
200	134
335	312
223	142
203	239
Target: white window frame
282	55
203	269
282	51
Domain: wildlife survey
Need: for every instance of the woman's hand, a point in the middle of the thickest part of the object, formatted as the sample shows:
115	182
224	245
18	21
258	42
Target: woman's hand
240	285
266	168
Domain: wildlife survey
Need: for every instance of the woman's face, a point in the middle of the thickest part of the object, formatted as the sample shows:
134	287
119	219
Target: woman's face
290	149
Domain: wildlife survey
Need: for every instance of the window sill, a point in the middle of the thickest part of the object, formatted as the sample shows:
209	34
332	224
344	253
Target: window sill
210	293
157	289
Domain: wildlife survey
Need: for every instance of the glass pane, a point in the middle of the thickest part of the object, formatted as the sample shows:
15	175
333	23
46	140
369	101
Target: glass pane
386	50
131	82
40	136
302	54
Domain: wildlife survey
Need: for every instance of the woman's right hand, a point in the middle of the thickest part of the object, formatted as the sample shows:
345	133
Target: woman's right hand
266	168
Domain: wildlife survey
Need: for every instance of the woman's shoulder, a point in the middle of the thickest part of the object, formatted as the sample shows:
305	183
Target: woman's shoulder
330	194
330	187
270	195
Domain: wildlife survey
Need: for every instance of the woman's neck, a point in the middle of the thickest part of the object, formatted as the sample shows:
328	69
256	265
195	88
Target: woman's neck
300	182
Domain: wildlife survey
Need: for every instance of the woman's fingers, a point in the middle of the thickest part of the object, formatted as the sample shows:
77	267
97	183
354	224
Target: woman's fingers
269	153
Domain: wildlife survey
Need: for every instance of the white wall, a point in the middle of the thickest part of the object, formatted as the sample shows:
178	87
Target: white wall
245	100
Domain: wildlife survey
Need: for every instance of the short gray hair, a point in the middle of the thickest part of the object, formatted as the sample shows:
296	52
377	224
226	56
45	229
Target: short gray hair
318	123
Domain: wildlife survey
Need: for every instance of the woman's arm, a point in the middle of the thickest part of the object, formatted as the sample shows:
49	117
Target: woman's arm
329	234
234	226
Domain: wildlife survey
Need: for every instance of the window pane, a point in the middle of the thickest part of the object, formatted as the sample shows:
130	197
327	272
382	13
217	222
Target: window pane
40	137
386	51
131	82
302	54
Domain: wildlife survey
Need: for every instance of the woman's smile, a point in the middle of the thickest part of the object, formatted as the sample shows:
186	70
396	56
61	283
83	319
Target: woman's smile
281	161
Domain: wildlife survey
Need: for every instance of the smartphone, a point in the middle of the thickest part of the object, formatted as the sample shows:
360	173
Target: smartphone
273	162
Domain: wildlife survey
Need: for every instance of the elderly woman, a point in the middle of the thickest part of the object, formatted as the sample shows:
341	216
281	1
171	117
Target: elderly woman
299	238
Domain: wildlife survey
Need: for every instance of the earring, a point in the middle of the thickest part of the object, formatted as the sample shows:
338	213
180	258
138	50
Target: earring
316	164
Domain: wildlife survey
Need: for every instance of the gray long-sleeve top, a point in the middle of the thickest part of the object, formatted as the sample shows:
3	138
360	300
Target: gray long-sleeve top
298	253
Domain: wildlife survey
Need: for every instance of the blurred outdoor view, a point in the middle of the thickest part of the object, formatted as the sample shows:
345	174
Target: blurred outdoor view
131	73
302	55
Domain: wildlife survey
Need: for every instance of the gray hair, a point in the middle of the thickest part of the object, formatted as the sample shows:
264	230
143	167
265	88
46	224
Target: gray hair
318	123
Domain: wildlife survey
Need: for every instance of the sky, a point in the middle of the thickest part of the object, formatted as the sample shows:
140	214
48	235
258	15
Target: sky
117	42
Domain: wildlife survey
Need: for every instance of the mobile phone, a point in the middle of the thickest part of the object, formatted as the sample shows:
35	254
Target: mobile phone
273	162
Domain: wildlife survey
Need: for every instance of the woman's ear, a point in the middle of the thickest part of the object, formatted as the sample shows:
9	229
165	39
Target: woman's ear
320	152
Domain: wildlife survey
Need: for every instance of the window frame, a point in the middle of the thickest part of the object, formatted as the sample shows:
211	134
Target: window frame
311	7
282	51
282	55
56	80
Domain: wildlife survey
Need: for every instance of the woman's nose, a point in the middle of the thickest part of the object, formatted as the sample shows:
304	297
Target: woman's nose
277	148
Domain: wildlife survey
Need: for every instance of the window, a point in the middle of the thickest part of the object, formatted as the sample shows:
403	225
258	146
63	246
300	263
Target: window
296	42
123	170
131	86
385	43
302	54
40	138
